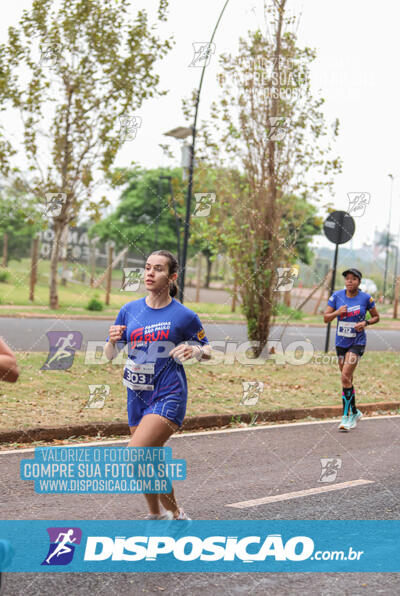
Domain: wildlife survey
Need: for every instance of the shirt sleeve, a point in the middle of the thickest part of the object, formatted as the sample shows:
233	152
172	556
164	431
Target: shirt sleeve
120	320
195	331
332	301
370	303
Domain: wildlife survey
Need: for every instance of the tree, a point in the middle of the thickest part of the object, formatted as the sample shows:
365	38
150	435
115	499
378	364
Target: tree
96	67
213	235
269	129
16	227
145	219
386	240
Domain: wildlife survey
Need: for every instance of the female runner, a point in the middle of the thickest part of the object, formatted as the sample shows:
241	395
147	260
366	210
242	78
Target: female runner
350	307
156	328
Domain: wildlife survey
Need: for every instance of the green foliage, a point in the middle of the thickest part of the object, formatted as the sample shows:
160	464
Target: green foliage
282	310
95	304
144	219
4	276
20	220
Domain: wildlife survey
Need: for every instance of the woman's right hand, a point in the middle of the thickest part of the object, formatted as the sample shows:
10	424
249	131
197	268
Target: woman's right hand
342	310
115	333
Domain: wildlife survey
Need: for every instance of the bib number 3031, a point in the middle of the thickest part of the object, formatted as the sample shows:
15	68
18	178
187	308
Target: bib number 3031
138	377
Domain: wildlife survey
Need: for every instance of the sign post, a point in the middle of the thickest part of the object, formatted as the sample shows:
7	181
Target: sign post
339	228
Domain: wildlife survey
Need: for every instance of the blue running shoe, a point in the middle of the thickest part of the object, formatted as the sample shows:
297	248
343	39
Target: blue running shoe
354	418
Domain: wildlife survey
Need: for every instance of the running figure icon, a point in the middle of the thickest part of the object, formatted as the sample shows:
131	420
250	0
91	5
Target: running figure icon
62	349
62	547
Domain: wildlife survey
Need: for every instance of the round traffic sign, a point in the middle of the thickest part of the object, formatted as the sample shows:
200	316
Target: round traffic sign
339	227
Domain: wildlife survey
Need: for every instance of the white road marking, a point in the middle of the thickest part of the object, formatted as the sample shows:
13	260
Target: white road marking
204	432
300	493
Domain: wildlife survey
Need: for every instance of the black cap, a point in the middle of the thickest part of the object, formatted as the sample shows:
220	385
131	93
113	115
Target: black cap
355	272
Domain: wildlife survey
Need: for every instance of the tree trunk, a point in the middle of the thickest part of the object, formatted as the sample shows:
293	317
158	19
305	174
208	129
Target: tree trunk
55	254
198	278
234	295
34	264
208	273
267	227
109	273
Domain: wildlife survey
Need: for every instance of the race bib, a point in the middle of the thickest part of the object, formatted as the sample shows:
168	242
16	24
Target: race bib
138	377
346	329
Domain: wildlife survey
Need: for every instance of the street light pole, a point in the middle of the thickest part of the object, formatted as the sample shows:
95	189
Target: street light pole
177	218
388	237
181	281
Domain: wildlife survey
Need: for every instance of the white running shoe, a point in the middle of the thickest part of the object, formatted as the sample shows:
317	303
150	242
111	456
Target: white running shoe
345	423
354	418
165	515
183	515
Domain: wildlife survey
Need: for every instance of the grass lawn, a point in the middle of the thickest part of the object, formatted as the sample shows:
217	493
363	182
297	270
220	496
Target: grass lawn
73	298
56	398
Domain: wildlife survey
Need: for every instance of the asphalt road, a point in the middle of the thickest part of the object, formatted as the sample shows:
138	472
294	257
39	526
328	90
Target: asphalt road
30	334
227	467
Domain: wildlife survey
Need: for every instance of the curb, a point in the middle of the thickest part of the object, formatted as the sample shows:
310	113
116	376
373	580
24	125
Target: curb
193	423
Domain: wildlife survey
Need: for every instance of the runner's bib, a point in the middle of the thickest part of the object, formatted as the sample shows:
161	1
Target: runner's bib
138	377
346	329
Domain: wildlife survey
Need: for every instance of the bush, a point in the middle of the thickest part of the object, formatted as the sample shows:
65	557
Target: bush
4	276
94	304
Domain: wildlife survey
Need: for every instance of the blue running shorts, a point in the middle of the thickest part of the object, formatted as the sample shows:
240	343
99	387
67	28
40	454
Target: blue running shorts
172	407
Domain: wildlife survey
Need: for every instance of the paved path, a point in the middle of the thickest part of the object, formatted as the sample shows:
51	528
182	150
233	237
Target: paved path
30	334
226	467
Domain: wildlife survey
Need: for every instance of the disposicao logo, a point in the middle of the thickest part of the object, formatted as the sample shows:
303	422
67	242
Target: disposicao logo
190	548
62	541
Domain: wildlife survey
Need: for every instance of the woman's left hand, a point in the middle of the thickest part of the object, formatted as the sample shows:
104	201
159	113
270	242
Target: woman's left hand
360	326
182	352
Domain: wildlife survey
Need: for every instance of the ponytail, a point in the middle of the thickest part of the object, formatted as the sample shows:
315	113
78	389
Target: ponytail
173	288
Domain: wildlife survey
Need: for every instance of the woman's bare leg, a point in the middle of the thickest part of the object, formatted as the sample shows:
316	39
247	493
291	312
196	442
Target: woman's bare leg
154	431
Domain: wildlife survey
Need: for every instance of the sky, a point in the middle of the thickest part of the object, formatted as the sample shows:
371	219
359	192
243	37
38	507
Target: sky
357	45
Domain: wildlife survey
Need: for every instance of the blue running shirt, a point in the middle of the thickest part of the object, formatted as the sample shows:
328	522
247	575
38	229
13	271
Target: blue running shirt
151	333
357	307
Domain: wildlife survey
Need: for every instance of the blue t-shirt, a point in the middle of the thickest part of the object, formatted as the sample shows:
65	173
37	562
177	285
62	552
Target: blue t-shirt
357	307
151	333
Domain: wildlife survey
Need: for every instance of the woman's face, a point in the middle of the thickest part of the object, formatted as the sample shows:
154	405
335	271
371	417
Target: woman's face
156	276
352	282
